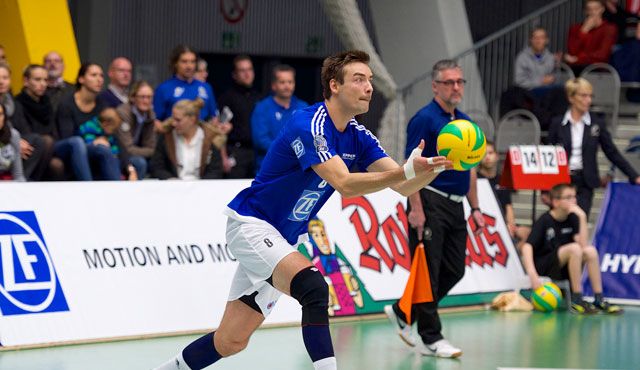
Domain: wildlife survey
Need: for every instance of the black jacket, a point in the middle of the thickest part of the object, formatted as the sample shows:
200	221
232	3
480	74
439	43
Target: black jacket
594	135
241	100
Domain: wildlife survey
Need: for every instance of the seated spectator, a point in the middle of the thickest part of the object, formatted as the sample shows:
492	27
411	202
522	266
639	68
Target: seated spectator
136	134
626	55
57	88
202	71
488	169
535	65
592	40
558	248
183	85
14	117
103	148
117	92
187	152
74	110
10	162
272	112
37	129
581	133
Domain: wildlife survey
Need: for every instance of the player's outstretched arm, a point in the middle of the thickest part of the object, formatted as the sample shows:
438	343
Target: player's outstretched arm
383	173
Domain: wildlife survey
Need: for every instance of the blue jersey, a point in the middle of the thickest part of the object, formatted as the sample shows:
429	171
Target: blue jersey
287	192
426	124
175	89
267	120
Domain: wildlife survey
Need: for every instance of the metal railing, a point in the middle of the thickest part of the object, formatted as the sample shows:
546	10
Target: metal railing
494	56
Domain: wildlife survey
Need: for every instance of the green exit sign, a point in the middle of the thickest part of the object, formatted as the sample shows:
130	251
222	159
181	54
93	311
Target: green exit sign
230	40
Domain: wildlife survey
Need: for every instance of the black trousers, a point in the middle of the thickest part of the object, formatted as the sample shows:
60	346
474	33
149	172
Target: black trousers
584	193
245	162
445	242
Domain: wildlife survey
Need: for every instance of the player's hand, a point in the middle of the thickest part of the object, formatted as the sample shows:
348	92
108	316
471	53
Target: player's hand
431	164
416	220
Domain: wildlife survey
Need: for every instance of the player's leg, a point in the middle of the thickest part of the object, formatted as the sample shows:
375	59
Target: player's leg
592	260
295	276
570	255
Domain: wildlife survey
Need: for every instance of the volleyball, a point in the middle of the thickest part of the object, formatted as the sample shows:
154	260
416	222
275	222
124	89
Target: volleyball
463	143
547	297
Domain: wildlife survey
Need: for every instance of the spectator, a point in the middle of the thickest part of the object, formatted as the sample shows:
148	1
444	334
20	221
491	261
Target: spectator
57	88
272	112
136	134
103	148
201	70
37	129
626	55
119	80
627	23
241	98
10	162
535	65
558	248
186	152
581	133
74	110
183	85
592	40
488	169
14	118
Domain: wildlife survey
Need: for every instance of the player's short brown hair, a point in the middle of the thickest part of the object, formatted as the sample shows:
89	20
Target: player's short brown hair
333	68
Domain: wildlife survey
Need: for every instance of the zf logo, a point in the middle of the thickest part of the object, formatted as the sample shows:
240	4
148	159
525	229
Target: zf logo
28	281
305	204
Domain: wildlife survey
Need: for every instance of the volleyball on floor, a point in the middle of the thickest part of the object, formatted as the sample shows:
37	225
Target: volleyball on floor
547	297
463	143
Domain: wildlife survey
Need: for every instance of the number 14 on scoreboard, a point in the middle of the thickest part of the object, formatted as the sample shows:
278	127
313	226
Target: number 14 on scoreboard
535	167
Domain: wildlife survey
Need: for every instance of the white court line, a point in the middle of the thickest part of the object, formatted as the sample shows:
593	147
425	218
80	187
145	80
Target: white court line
540	368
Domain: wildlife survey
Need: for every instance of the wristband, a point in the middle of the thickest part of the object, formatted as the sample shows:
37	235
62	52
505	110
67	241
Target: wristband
409	172
475	209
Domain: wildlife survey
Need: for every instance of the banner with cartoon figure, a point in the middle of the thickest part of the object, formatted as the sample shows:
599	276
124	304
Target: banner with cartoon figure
360	244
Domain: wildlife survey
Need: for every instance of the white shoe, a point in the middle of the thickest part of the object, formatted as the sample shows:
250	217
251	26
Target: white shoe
441	348
403	329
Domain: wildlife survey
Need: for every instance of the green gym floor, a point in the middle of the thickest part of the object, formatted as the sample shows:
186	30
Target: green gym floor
490	340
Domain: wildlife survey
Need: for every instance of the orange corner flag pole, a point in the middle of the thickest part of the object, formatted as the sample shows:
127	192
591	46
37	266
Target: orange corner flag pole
418	288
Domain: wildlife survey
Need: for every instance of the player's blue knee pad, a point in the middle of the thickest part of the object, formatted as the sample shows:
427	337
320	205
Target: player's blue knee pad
310	289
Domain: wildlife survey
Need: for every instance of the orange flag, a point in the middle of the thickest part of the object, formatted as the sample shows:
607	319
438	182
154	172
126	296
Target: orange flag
418	288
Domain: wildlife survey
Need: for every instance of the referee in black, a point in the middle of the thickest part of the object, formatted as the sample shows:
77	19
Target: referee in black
436	213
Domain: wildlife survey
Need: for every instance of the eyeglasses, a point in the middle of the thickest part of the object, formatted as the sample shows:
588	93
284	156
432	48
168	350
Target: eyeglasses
449	83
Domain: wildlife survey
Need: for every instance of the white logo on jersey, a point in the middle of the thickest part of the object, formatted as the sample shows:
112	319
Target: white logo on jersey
202	92
320	143
178	92
278	116
298	147
550	233
305	205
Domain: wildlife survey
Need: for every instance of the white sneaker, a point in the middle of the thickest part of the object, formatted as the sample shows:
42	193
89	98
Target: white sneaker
441	348
403	329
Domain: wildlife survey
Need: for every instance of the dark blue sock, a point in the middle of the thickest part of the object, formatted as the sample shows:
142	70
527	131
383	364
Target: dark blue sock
317	339
201	352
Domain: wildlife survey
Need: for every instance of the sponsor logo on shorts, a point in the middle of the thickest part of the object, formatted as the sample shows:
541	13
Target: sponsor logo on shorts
298	147
348	156
28	280
305	205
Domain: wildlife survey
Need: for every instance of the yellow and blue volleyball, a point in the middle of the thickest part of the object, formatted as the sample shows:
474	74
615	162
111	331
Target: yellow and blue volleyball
463	143
547	297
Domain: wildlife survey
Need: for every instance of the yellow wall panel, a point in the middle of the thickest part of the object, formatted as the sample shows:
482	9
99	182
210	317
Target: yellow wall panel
31	28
